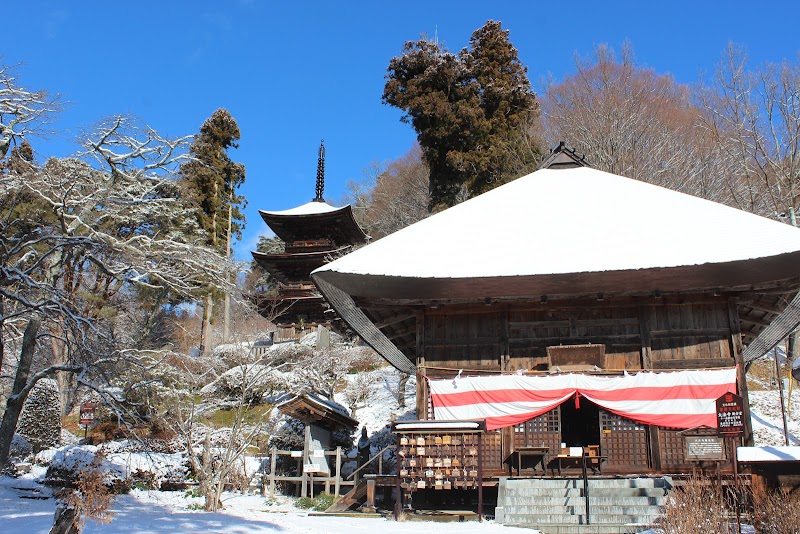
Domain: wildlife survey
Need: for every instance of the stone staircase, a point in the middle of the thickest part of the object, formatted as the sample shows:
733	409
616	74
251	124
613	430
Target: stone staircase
558	506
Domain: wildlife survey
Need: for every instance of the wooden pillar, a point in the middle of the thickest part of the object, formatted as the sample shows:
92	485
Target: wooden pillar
654	449
644	334
305	459
337	485
422	386
370	505
741	373
506	434
480	476
505	344
273	462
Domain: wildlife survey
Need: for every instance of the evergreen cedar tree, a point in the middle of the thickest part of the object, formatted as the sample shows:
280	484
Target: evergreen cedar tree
468	109
40	420
212	179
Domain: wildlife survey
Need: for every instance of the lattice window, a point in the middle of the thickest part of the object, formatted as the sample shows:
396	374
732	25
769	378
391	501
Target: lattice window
611	421
543	430
622	440
672	446
547	422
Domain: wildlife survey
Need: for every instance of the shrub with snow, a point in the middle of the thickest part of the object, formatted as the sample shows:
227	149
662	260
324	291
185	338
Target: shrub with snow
232	353
40	420
20	448
120	469
68	438
251	383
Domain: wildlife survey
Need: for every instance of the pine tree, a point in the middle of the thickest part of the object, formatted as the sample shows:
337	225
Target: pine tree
212	179
468	109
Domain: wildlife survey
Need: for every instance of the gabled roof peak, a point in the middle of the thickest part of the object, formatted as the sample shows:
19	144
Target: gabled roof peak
562	157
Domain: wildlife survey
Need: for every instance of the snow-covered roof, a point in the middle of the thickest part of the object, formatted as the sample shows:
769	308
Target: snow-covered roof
570	221
310	208
768	454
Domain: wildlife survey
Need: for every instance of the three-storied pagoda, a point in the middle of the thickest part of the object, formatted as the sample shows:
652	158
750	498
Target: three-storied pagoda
312	234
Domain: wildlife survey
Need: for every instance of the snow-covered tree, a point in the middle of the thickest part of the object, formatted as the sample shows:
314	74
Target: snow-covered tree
79	235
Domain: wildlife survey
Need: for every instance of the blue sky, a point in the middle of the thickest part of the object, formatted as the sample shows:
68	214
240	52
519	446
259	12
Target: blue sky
292	73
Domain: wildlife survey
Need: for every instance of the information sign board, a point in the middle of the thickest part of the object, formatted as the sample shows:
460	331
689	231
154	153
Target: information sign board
704	448
730	415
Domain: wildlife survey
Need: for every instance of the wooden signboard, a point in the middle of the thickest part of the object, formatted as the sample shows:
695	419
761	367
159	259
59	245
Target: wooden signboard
730	415
704	448
577	357
86	417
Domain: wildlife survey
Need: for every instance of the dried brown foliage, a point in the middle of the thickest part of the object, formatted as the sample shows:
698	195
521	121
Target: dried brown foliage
91	498
778	512
696	506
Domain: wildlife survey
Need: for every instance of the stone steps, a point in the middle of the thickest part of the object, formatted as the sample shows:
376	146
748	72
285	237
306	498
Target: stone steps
558	506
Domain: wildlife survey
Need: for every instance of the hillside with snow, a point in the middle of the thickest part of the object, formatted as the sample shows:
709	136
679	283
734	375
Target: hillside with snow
27	506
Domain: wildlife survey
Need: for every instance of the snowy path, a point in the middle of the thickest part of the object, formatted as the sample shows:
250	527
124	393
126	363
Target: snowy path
145	512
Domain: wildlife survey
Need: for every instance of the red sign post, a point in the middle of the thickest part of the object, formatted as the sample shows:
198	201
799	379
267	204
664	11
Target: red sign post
86	417
730	424
730	415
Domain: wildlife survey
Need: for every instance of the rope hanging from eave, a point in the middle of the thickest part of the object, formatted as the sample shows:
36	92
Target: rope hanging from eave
777	331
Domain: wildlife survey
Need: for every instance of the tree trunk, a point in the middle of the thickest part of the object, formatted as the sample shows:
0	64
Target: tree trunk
401	390
2	324
16	400
65	521
205	327
65	380
227	326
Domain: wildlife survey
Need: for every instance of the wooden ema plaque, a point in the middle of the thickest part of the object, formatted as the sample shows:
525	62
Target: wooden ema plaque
440	462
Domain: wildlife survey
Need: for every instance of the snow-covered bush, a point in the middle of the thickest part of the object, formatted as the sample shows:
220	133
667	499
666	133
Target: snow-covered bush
283	353
66	462
359	390
250	383
40	420
20	448
68	438
120	469
232	353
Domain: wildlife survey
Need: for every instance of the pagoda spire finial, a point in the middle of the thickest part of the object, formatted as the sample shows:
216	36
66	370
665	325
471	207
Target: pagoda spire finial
320	172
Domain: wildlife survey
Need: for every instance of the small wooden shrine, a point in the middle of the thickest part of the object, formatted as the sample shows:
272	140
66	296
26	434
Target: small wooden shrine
312	234
574	309
319	462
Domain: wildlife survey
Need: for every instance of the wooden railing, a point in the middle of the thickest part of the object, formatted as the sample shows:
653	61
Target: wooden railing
379	457
306	480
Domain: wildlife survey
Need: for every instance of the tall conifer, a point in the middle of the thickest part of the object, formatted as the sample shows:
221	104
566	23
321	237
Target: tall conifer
468	109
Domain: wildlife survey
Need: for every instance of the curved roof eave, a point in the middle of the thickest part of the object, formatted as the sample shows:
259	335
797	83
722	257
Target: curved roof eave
735	274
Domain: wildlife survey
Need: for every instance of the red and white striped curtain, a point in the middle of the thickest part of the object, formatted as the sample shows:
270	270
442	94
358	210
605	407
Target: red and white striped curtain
676	399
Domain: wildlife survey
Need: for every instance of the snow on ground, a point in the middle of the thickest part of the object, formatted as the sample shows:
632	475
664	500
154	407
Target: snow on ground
173	512
765	408
157	511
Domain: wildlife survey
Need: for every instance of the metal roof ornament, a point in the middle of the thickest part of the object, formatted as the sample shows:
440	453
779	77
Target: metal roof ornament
320	173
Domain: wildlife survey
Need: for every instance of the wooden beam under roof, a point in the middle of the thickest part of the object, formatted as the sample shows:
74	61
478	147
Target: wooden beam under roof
397	318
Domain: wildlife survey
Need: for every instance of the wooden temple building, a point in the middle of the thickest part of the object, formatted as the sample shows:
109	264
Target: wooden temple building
312	234
574	308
